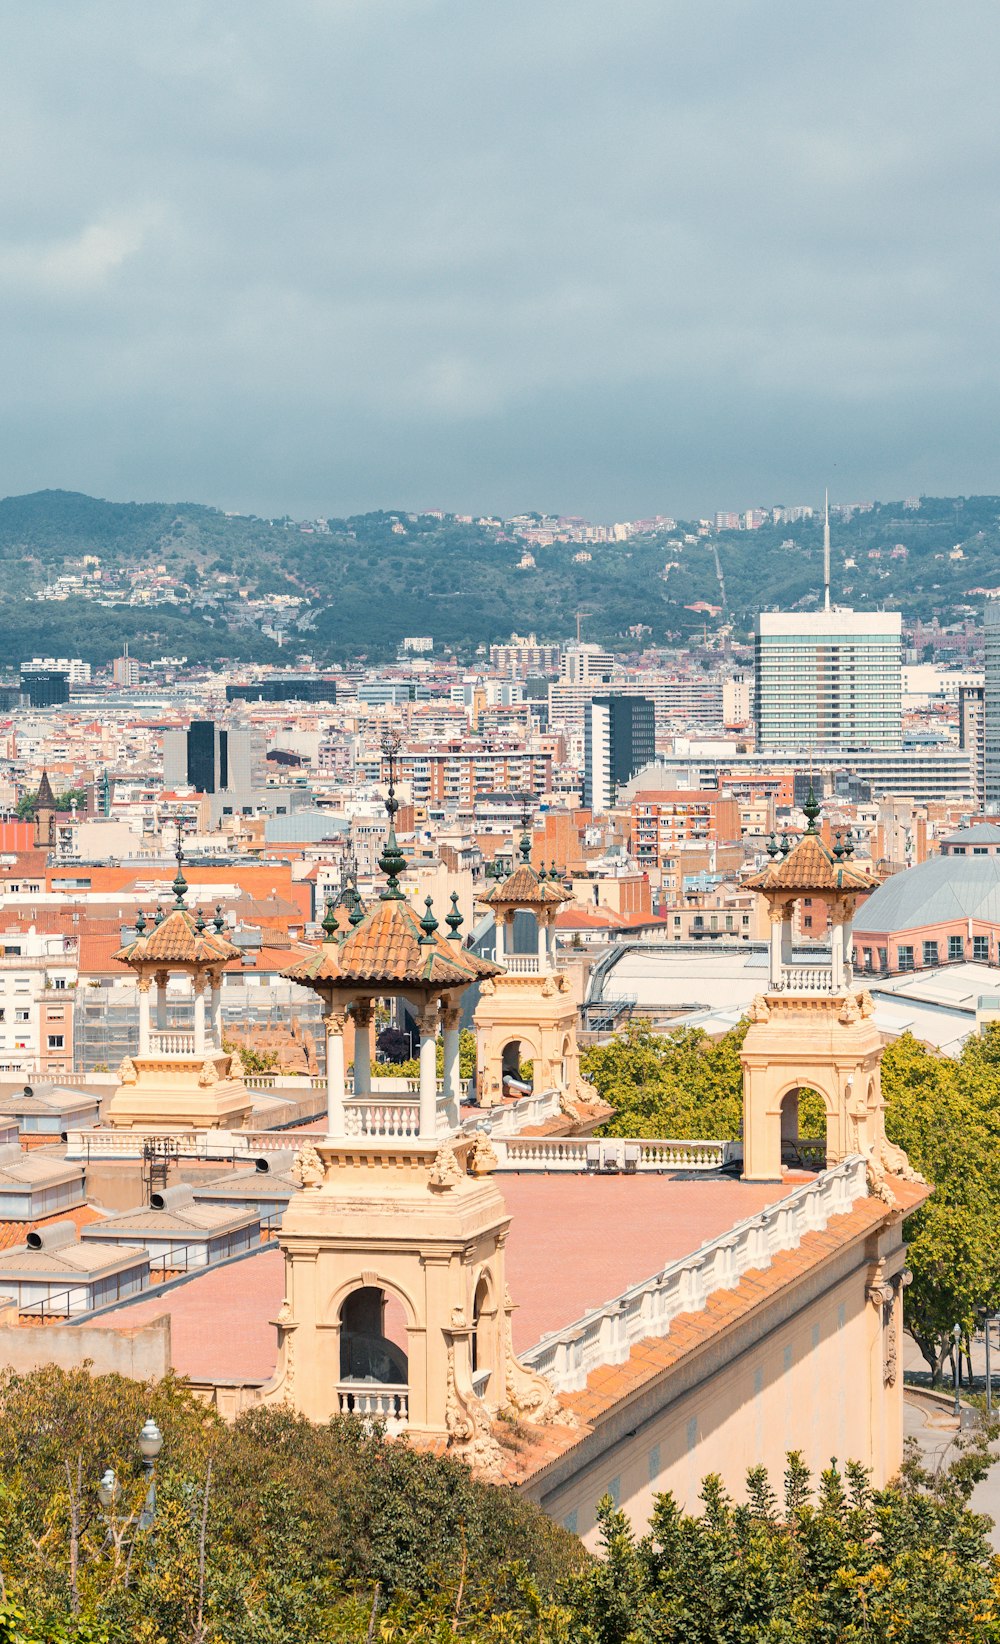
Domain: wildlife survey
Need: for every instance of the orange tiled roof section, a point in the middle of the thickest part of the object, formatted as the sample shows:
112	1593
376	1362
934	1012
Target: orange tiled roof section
523	888
177	940
390	945
15	1233
610	1385
809	866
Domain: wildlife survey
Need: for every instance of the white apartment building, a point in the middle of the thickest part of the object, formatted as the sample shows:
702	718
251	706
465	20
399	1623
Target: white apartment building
38	973
828	680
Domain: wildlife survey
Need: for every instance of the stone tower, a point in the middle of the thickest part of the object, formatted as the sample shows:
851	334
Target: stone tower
813	1029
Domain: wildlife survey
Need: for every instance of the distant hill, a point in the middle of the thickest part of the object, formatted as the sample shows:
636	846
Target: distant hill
355	587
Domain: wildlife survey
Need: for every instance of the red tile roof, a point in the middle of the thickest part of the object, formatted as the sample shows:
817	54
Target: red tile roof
14	1233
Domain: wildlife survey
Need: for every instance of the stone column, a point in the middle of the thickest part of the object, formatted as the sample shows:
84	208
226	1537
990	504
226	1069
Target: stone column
362	1048
215	1012
428	1021
777	927
498	925
335	1081
452	1017
199	1013
162	978
143	983
837	955
542	948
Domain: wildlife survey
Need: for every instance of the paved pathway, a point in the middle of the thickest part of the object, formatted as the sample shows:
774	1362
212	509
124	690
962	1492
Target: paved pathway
935	1433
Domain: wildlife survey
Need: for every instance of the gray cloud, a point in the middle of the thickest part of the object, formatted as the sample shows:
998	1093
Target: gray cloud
326	256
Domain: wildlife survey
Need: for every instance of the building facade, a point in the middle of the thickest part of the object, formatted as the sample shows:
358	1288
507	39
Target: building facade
828	680
620	738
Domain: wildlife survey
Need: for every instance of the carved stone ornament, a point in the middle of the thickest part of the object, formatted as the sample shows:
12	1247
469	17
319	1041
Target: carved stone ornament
468	1427
850	1012
237	1068
127	1072
488	986
548	987
208	1075
760	1010
308	1168
446	1171
529	1395
482	1156
867	1004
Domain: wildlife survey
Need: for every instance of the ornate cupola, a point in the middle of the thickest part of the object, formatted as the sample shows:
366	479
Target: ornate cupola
182	1076
812	1030
396	1304
527	1013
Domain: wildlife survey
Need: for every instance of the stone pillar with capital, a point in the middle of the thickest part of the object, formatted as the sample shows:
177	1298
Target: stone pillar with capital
777	914
499	920
198	982
162	977
428	1023
452	1017
362	1013
542	948
335	1077
143	983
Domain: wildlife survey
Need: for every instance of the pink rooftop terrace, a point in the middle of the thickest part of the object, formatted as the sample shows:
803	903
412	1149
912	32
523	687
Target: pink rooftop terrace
575	1243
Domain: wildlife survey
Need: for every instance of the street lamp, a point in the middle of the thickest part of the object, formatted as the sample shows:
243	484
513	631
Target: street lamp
150	1445
956	1336
107	1490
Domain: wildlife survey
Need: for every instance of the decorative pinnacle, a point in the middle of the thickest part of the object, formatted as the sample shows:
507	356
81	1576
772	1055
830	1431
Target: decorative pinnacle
812	810
140	923
159	916
526	834
199	923
357	912
428	924
786	843
838	849
454	919
219	922
329	920
180	883
392	861
773	848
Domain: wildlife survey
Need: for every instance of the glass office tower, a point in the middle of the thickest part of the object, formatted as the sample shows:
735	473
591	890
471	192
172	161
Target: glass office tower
829	680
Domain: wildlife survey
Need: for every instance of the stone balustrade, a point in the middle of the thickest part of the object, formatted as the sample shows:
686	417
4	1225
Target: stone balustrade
610	1153
806	979
522	964
606	1335
171	1042
374	1402
513	1117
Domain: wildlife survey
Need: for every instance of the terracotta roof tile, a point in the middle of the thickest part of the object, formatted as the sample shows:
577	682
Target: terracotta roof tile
177	940
388	946
809	866
523	888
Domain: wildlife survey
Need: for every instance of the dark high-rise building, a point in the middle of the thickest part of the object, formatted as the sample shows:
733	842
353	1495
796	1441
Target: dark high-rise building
991	704
45	688
620	737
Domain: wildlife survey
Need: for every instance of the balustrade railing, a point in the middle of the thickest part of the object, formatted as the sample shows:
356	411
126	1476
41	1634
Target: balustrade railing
374	1402
509	1118
807	978
170	1043
607	1334
611	1153
522	964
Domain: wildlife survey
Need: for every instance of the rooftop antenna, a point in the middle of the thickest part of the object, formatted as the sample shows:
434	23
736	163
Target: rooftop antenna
826	551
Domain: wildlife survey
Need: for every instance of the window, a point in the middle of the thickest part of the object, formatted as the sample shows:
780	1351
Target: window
677	919
956	947
59	983
958	850
22	1016
746	919
868	959
930	953
57	1041
904	958
807	921
980	850
981	948
883	959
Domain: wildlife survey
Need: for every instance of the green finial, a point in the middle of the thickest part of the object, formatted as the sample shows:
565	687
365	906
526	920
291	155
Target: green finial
180	883
392	861
838	849
218	921
812	809
199	923
329	921
140	923
357	913
159	916
773	848
454	919
786	843
428	924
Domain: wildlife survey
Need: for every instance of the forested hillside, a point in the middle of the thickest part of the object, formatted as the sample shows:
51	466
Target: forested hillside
186	578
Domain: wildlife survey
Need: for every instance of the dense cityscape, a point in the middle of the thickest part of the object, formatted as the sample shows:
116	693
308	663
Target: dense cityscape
499	824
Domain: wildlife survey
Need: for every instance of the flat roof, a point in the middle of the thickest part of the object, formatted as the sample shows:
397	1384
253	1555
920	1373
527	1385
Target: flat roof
556	1267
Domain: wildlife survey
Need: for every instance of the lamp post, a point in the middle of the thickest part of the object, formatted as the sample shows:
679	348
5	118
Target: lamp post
150	1445
956	1336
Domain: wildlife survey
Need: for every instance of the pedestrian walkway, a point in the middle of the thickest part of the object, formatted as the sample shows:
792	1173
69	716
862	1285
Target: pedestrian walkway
935	1432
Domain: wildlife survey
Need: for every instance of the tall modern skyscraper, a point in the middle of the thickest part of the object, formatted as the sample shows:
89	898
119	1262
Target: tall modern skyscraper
620	737
212	760
991	704
829	680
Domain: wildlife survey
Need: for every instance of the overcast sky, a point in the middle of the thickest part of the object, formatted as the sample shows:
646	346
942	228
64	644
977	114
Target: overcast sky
613	259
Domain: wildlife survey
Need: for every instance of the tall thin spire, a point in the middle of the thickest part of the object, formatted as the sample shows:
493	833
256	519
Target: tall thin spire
826	551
